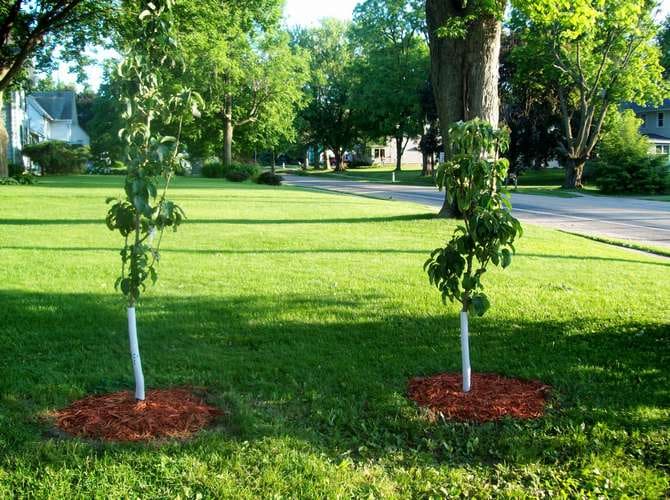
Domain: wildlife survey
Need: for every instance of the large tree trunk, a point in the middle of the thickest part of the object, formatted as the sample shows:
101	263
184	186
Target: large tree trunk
339	159
228	131
4	140
399	149
574	172
465	71
425	163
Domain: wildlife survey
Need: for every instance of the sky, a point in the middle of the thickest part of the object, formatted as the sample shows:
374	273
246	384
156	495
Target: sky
297	12
309	12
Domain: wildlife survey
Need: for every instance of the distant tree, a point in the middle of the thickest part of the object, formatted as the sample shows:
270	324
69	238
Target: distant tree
430	138
465	56
391	70
328	118
594	55
663	40
530	109
106	120
242	64
30	31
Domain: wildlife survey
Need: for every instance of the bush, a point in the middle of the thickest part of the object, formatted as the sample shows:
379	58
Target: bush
8	181
212	168
19	175
116	168
270	179
25	178
57	157
15	169
360	164
625	164
238	172
647	175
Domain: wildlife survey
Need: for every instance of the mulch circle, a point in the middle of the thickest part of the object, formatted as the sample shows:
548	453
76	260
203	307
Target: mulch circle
174	413
492	397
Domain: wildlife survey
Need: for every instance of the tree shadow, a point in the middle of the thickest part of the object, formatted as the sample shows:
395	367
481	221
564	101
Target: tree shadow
343	220
328	372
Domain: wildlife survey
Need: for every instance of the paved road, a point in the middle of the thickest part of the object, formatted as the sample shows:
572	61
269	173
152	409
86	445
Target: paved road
641	221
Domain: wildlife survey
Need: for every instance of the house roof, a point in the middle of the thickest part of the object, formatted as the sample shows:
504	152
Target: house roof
656	138
60	105
36	105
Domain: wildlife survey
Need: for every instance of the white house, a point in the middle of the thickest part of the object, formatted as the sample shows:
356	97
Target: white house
386	153
656	125
42	116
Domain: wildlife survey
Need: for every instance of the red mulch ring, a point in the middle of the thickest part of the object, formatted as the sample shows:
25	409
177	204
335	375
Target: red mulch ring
492	397
175	413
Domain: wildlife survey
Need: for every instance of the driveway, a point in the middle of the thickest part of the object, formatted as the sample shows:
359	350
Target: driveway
629	219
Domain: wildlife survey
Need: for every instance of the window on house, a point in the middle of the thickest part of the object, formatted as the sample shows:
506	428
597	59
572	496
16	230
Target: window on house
663	149
661	120
380	153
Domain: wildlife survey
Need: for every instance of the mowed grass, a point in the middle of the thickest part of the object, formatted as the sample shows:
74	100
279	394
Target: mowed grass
545	183
304	314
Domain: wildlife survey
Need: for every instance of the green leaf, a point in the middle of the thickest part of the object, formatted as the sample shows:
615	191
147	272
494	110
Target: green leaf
479	304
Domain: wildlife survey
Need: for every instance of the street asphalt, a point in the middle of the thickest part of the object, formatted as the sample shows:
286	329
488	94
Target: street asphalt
622	218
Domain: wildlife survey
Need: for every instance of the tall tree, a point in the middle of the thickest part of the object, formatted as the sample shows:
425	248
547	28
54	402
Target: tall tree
392	69
595	55
529	108
243	66
465	53
328	118
31	31
430	138
663	40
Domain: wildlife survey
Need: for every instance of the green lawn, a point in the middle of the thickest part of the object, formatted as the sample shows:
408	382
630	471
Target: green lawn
546	183
305	314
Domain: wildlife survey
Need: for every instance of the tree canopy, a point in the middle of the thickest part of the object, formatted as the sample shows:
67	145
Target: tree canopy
594	55
391	70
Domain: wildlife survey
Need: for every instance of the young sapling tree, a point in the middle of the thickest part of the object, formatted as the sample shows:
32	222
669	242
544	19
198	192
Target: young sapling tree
473	177
152	158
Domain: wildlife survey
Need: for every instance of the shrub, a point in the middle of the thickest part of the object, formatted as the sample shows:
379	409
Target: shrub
25	178
241	172
360	164
625	164
57	157
116	168
269	178
15	169
212	168
237	176
647	175
8	181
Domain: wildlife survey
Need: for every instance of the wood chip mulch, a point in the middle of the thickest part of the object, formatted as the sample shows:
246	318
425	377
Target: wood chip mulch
174	413
492	397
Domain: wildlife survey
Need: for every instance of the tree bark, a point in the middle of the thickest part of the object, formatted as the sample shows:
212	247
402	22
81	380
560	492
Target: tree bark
228	132
465	71
424	165
4	140
574	171
274	162
339	163
399	150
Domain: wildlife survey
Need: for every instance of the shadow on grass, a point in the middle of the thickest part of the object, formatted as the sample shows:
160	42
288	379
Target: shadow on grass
426	252
333	373
350	220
